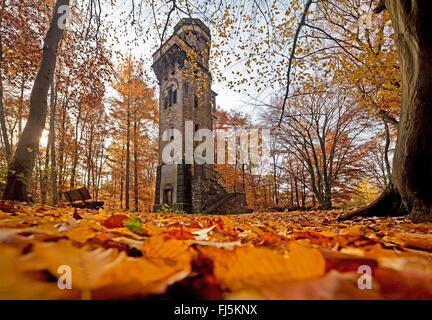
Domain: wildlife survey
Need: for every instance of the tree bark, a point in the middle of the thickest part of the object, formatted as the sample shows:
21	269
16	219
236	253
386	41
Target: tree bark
2	114
275	186
127	178
4	135
21	104
77	141
121	180
412	162
387	204
136	162
62	158
24	159
53	104
44	173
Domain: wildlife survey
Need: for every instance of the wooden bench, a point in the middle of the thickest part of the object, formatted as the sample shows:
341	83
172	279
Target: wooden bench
81	195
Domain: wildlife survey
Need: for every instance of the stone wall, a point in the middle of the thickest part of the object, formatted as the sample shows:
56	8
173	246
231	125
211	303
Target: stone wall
205	192
235	204
208	196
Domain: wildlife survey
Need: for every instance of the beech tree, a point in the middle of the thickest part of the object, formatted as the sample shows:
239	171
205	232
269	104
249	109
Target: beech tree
21	167
409	193
323	132
133	107
22	25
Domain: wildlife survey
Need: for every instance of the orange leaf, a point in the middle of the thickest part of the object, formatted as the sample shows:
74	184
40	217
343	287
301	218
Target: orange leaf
179	233
243	267
115	221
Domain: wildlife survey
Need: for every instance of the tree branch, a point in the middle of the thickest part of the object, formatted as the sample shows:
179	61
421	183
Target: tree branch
380	7
388	118
291	58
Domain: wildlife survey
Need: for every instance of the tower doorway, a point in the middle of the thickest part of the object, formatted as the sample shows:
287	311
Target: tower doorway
167	196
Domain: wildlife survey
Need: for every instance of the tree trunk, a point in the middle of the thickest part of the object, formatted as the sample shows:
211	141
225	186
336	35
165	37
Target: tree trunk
99	170
127	178
387	175
296	192
303	198
387	204
28	144
39	176
136	162
53	105
90	155
21	104
121	180
412	162
327	199
291	193
76	153
275	186
62	160
4	135
2	114
44	173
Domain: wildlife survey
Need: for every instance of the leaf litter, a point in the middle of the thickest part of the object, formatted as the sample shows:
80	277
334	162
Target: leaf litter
261	255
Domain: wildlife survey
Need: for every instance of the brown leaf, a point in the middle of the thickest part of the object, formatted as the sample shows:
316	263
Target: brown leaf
115	221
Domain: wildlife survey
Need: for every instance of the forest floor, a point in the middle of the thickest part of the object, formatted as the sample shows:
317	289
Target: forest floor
262	255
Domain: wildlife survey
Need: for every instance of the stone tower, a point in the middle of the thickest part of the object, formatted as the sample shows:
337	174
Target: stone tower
186	104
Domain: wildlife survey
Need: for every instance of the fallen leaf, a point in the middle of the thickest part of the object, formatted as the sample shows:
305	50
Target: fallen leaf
202	235
252	266
16	284
115	221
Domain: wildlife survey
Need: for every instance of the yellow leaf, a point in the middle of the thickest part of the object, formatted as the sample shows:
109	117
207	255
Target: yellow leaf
356	230
154	230
159	248
80	234
108	273
15	284
255	267
328	233
86	265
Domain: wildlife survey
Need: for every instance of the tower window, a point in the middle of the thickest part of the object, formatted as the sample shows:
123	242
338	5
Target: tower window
171	97
196	101
174	96
170	93
171	132
196	127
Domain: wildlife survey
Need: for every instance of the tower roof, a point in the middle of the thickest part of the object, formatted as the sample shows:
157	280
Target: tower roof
191	21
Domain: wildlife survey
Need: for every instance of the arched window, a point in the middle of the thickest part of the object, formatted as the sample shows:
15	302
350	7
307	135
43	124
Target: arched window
171	132
171	97
196	101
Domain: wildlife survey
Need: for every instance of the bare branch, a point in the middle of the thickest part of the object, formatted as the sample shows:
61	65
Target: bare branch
380	7
301	24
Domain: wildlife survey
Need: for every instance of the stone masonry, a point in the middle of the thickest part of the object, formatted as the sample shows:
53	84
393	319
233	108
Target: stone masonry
181	67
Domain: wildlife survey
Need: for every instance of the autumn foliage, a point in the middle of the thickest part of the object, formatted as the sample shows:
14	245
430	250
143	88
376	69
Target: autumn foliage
324	77
254	256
